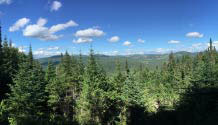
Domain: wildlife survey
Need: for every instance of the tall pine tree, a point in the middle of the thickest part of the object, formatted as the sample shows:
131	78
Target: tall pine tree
27	101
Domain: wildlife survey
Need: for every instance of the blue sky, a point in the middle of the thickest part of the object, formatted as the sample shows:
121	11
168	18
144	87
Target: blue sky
110	26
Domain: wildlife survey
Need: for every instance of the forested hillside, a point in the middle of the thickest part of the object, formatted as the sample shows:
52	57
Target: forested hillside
182	91
151	61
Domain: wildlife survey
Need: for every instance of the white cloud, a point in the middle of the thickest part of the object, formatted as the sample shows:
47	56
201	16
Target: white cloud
90	32
59	27
40	32
53	48
196	47
114	39
195	35
87	35
5	1
127	43
173	42
115	52
141	40
83	40
215	43
20	48
110	53
44	33
41	21
13	45
163	50
56	5
46	52
19	24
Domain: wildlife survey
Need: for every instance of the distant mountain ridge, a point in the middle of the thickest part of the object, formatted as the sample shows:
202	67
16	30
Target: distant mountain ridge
109	62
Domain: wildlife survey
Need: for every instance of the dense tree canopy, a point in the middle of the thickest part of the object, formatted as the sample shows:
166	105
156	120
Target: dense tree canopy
184	89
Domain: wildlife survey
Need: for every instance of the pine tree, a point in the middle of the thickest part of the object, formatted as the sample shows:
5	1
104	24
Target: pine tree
0	48
50	72
92	99
27	101
1	67
30	57
6	68
171	62
118	78
81	65
172	70
80	72
61	89
64	90
132	91
0	37
211	45
127	67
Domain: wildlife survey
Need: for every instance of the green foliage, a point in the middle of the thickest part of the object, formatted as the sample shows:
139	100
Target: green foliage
63	89
79	91
10	59
134	61
50	74
27	98
92	101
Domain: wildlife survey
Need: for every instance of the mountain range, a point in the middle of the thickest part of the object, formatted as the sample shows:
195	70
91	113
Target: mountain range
134	61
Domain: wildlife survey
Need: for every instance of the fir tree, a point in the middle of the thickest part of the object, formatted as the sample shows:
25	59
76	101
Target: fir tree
8	66
80	72
50	72
27	101
127	67
64	90
0	48
91	103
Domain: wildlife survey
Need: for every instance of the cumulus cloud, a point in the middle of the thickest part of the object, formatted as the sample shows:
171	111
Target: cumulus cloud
196	47
5	1
141	40
20	48
83	40
41	32
194	35
46	52
41	21
114	39
53	48
37	31
59	27
56	5
19	24
127	43
90	32
87	35
173	42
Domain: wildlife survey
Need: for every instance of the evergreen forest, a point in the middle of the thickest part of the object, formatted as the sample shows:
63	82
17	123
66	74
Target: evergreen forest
181	91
